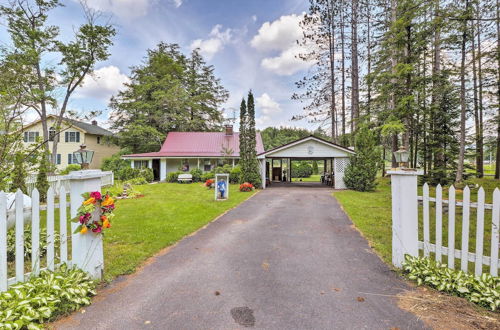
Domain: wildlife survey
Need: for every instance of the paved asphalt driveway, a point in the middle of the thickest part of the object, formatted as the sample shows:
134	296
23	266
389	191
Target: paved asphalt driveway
288	258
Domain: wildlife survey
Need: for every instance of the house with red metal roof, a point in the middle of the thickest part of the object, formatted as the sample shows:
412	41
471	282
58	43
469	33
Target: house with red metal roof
184	151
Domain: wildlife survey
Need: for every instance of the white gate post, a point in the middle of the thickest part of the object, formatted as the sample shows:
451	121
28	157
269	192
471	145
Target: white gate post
404	214
87	249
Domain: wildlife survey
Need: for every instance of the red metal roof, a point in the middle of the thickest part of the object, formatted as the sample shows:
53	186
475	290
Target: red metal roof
200	144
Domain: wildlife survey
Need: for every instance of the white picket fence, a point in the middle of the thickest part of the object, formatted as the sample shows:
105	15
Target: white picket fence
465	256
86	249
58	181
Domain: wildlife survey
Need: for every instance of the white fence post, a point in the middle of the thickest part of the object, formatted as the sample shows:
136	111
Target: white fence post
87	249
3	242
404	214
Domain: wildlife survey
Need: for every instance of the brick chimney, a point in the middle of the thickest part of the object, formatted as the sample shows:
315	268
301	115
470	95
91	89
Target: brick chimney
94	122
229	129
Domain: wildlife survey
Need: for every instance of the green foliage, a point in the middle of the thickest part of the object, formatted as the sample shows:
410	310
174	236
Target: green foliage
11	243
206	176
71	168
483	290
301	169
235	174
127	173
223	169
168	92
250	170
147	174
42	182
197	174
361	172
43	298
137	181
19	174
273	137
315	167
172	176
114	163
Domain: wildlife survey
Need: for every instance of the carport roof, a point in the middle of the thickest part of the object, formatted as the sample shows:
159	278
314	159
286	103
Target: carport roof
310	137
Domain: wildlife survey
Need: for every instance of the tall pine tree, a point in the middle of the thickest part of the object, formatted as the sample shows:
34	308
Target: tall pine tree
243	140
250	166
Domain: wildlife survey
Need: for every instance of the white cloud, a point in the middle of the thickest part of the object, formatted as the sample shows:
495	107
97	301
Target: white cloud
103	83
268	109
177	3
215	43
278	35
123	8
281	36
254	18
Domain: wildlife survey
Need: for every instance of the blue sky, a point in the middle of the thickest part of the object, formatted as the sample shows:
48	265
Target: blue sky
250	43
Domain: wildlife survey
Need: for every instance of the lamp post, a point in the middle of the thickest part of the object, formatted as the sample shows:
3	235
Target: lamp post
401	157
83	156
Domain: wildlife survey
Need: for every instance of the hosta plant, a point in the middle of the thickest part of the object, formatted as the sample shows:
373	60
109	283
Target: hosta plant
483	290
29	304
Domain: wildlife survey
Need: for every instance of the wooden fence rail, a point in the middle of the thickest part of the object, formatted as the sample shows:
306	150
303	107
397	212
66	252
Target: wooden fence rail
463	254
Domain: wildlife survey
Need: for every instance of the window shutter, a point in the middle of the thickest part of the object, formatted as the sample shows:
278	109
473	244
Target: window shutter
66	137
25	136
77	136
69	159
58	159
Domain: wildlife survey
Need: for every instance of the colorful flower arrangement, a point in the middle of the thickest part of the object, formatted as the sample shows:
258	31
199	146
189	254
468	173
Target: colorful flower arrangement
209	183
94	201
246	187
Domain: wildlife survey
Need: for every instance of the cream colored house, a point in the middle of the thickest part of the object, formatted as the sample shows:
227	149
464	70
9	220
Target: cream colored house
73	134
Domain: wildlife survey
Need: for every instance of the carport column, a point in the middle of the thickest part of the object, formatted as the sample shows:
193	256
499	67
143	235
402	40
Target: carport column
163	169
263	172
404	214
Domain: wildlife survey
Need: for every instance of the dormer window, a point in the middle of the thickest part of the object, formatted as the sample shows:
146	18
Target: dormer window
52	133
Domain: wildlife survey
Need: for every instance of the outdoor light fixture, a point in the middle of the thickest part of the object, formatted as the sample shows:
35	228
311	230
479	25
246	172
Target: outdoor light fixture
402	156
83	156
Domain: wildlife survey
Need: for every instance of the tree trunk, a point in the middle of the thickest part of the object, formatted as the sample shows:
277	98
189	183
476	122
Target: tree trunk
331	40
480	140
369	61
342	41
354	66
463	108
476	111
497	161
392	101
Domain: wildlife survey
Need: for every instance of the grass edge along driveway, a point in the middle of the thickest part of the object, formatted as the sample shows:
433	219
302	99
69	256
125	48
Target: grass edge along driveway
168	212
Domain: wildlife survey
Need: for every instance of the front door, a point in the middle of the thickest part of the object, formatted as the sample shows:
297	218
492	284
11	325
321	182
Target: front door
156	169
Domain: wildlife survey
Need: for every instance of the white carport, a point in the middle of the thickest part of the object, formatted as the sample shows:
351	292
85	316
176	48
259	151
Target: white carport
335	157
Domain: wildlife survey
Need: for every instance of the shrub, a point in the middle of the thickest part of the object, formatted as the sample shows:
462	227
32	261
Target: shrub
137	181
147	174
43	298
127	173
223	169
302	170
42	182
114	163
70	168
19	174
172	176
197	174
245	187
483	290
235	174
11	243
208	175
361	172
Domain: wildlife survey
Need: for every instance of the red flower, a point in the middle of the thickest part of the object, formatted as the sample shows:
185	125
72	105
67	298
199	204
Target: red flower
246	187
96	195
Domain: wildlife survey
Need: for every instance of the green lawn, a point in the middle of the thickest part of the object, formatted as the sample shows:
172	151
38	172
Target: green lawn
371	213
167	213
143	226
312	178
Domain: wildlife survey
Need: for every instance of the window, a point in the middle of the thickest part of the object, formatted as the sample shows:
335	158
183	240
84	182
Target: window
141	163
72	159
72	136
98	140
52	133
30	136
58	159
207	166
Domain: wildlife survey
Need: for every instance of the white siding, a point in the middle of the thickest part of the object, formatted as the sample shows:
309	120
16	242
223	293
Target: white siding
311	149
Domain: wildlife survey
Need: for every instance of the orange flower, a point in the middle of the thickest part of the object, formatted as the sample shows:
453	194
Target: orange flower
106	224
84	230
91	200
104	218
107	201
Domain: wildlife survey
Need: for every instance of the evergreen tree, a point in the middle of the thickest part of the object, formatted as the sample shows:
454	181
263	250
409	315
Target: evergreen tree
361	172
19	174
243	140
315	167
252	172
42	182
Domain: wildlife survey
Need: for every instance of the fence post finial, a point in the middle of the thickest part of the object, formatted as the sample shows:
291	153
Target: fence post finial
404	214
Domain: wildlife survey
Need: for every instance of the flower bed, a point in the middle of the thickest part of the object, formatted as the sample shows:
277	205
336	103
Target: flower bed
245	187
209	183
